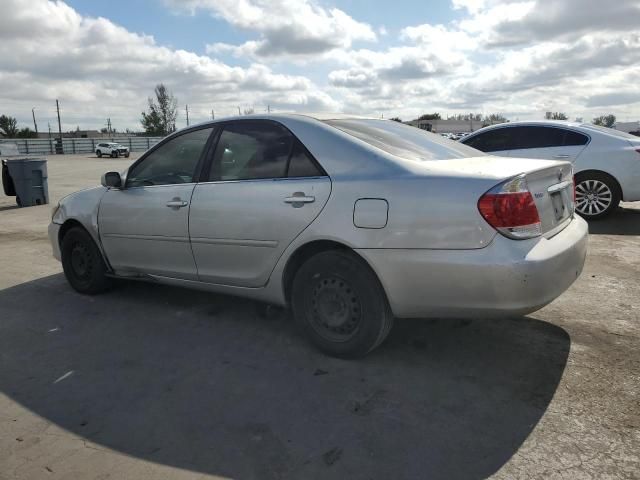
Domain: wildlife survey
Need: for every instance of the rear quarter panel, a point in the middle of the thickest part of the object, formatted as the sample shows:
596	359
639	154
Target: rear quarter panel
618	158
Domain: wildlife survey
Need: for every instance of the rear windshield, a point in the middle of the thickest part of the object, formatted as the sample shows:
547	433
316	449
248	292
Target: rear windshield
403	140
610	131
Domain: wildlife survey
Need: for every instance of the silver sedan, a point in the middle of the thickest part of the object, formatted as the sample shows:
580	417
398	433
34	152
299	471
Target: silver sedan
349	221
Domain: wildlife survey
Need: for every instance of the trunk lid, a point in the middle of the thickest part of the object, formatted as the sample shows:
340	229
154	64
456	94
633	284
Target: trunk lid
549	181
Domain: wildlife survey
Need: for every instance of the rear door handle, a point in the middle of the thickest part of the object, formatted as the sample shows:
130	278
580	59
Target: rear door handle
561	156
177	203
299	198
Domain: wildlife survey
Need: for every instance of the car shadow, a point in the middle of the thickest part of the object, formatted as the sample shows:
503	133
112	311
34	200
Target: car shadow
209	384
623	221
9	207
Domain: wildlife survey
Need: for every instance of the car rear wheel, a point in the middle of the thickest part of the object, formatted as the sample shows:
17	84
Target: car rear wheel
339	303
82	262
99	153
597	195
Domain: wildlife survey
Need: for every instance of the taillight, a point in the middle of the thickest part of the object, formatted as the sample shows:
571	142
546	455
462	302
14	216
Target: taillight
510	209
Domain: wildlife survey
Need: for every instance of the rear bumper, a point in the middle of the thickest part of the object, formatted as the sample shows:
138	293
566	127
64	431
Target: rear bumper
54	230
508	277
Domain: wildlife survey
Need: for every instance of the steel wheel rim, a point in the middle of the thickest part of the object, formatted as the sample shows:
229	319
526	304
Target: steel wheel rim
593	197
335	309
81	261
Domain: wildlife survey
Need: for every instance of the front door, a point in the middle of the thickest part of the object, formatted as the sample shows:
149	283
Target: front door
264	189
144	227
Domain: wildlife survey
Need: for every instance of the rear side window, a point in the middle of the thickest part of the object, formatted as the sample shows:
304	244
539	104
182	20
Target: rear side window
301	164
574	138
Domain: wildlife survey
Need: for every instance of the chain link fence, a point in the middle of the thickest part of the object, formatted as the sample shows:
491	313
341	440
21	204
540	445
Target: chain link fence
50	146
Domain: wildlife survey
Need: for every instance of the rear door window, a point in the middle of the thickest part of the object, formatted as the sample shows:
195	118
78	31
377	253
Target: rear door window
540	137
251	150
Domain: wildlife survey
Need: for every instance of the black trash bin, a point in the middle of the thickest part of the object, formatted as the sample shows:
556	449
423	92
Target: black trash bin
28	177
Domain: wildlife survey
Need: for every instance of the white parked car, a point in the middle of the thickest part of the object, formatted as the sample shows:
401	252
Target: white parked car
606	162
112	149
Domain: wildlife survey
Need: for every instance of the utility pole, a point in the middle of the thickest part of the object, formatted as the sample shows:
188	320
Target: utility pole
213	116
59	149
268	108
186	109
35	125
239	110
109	126
59	124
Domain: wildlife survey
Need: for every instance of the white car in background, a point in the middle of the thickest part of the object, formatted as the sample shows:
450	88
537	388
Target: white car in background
111	149
606	162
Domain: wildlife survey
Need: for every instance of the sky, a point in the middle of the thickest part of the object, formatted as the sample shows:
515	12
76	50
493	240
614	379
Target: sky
102	59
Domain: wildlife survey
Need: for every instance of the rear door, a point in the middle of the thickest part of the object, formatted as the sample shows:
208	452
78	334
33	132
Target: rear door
549	142
262	190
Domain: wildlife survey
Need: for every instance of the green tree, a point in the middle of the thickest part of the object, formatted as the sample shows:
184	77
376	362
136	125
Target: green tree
162	114
396	119
8	126
26	132
605	120
556	116
429	116
495	118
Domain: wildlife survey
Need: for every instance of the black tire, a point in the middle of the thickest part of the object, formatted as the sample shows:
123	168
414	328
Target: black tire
339	303
7	182
597	195
82	263
126	155
99	153
114	154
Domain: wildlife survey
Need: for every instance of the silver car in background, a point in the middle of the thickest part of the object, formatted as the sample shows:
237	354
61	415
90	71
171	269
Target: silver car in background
349	221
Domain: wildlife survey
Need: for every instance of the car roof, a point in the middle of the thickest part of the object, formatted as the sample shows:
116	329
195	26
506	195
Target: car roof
553	123
585	128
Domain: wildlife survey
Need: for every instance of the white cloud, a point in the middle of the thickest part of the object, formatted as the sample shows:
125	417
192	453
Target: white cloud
296	28
517	57
98	69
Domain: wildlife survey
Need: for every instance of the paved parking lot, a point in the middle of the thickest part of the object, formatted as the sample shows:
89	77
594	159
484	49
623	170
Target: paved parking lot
156	382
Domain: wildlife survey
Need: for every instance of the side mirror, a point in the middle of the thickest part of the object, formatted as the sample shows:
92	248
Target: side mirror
111	180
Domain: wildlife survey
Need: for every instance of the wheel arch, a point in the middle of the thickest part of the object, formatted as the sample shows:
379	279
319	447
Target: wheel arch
306	251
595	171
73	223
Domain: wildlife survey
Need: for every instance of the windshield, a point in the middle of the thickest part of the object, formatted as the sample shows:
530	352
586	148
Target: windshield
610	131
404	141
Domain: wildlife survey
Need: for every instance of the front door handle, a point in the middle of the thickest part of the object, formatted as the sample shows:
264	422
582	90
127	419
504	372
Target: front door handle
298	199
561	156
176	203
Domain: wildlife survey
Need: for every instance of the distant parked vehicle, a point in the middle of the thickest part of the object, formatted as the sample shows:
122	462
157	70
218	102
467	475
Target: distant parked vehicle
606	162
349	221
112	149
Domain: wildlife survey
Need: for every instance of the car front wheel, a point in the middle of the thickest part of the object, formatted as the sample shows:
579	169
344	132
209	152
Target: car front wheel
114	154
82	262
340	305
597	195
